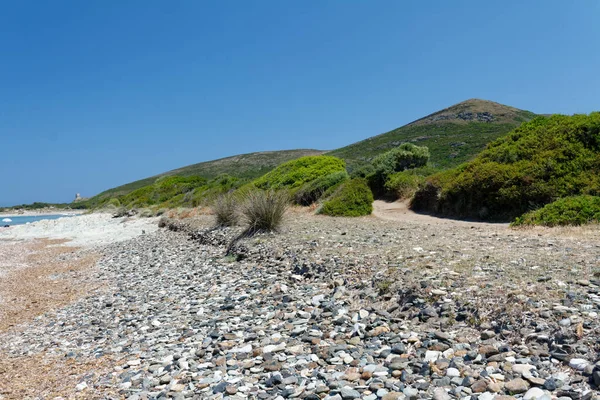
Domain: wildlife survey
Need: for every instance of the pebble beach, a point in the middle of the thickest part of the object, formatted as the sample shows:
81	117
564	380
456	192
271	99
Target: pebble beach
327	308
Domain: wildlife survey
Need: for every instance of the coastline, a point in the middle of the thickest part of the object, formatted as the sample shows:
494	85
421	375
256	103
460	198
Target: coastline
40	213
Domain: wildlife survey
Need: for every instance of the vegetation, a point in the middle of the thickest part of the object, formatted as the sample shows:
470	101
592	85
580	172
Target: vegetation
164	189
404	184
403	157
573	210
293	174
244	167
39	205
543	160
263	210
225	209
352	199
453	135
312	191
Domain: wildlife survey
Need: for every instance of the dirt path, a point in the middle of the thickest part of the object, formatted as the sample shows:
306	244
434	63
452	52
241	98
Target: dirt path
399	211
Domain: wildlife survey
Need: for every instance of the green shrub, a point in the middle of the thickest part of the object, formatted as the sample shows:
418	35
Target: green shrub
295	173
574	210
403	185
537	163
225	208
351	199
114	203
312	191
165	189
362	171
406	156
263	210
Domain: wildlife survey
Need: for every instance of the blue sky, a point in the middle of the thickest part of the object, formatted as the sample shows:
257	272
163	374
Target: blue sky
94	94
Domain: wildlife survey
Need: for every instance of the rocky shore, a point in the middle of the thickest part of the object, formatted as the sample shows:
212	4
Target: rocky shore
333	309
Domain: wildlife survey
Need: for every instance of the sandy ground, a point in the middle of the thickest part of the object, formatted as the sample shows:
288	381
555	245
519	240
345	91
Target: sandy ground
43	267
83	231
399	211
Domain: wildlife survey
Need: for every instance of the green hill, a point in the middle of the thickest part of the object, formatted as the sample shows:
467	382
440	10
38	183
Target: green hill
453	135
243	166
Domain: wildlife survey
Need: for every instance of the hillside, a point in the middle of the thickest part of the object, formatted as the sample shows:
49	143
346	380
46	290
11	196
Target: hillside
542	161
453	135
244	166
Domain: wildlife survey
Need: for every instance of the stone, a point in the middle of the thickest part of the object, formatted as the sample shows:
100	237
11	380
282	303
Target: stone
534	394
516	386
348	393
440	394
578	363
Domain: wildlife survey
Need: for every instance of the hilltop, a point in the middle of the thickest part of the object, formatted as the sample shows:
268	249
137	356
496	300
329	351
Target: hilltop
453	135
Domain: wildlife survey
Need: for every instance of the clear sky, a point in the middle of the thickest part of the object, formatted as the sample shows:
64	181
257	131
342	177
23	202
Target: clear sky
94	94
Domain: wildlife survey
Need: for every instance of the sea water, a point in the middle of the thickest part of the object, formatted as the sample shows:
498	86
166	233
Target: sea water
21	220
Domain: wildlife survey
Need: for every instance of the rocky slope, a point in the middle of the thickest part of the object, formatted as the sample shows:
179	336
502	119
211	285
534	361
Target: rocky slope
336	309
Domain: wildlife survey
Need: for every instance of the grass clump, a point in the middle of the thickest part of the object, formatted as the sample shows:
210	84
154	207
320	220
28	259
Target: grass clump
312	191
574	210
543	160
295	173
263	210
225	208
352	199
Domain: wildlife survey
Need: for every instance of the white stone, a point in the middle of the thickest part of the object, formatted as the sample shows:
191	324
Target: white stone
452	372
273	348
578	363
534	394
522	368
432	356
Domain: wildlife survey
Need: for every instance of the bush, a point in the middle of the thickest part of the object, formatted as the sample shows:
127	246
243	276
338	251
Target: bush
351	199
406	156
537	163
114	202
225	210
295	173
574	210
263	210
312	191
403	185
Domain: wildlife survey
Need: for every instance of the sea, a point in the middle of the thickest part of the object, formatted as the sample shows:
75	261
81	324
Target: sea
21	220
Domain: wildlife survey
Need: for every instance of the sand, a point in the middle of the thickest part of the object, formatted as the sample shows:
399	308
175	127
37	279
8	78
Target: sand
82	231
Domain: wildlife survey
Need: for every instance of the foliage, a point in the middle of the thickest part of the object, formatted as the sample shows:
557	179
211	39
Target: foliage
295	173
403	157
225	208
312	191
404	184
573	210
244	167
164	189
263	210
114	203
352	199
539	162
